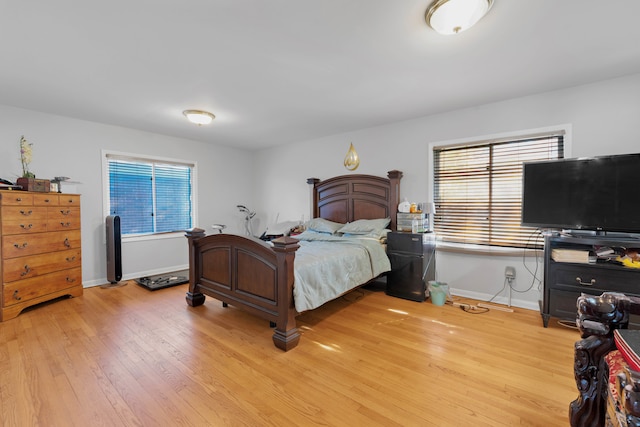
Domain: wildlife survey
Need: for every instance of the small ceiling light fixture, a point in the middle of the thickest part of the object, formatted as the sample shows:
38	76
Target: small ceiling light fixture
199	117
455	16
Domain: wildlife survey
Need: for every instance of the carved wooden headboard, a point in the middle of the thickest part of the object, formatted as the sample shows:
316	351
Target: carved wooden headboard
347	198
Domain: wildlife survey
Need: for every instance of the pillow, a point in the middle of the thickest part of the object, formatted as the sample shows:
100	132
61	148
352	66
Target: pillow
365	226
375	234
322	225
311	235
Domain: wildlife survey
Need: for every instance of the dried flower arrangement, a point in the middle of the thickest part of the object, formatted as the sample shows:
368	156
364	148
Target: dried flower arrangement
26	155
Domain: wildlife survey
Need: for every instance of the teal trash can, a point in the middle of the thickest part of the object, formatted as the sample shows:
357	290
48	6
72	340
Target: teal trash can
438	292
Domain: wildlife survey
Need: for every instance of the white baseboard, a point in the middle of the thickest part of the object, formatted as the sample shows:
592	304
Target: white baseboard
131	276
498	300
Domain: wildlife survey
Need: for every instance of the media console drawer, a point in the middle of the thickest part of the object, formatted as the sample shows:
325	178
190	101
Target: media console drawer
594	277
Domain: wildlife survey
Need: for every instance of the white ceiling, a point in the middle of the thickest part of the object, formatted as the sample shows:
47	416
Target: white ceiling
281	71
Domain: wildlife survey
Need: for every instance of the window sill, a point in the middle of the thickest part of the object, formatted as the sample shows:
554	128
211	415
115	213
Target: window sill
462	248
155	236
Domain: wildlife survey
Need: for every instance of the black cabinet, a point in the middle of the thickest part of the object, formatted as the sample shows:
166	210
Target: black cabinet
564	281
413	264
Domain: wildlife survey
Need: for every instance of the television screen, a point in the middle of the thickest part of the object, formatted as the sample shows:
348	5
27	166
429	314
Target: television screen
599	193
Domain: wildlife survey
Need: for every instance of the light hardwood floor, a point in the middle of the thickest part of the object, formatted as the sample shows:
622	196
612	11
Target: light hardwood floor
131	357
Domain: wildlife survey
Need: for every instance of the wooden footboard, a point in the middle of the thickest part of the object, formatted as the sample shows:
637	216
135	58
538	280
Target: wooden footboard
249	274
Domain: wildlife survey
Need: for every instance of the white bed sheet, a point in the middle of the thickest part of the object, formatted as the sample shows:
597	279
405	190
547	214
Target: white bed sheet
327	266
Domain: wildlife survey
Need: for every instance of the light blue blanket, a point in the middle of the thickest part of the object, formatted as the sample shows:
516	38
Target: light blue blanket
327	266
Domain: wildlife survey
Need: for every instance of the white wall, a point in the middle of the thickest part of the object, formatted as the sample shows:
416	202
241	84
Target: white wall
603	117
69	147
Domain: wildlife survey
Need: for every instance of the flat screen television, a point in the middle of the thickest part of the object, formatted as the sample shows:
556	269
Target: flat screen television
600	194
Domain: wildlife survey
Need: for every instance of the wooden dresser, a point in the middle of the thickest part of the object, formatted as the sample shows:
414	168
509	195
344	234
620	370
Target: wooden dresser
40	256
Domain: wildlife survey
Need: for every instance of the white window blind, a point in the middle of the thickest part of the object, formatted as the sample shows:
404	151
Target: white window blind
150	196
478	189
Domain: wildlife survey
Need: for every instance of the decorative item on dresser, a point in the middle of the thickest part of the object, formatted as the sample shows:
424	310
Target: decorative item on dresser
40	256
258	278
33	184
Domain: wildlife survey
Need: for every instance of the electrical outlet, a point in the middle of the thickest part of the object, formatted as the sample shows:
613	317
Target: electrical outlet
510	273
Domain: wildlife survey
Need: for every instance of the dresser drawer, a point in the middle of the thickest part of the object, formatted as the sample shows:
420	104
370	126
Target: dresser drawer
36	265
29	244
69	223
598	278
46	199
24	290
23	226
16	198
63	213
23	213
69	200
23	219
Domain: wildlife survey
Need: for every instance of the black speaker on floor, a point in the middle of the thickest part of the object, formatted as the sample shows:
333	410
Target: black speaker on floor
114	254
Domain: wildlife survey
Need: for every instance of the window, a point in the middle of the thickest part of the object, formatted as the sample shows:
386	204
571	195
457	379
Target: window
478	189
150	196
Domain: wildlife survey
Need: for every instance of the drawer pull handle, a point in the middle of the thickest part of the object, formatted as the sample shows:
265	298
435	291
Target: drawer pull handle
70	258
26	227
70	279
67	243
26	213
580	282
65	224
67	212
18	199
47	201
15	295
22	246
26	271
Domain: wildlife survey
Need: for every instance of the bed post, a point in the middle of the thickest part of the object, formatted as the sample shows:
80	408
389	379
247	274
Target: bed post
194	299
394	197
313	196
286	335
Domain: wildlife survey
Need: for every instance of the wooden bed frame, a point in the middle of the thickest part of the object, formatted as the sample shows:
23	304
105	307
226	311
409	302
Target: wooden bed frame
257	277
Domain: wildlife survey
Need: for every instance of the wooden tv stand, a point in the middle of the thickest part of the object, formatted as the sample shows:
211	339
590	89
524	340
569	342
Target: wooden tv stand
565	281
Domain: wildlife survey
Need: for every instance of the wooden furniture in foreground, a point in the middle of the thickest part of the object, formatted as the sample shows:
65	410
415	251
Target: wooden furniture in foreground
254	276
598	317
40	256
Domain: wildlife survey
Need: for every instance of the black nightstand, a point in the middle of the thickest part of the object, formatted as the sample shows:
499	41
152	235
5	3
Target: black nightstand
413	264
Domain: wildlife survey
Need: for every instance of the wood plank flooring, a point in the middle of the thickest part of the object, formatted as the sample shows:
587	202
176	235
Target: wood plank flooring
127	356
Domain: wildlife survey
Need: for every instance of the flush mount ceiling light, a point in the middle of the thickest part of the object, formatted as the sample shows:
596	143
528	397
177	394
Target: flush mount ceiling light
455	16
199	117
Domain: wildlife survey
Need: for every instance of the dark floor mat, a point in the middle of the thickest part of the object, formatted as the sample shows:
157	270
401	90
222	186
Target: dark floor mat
165	280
